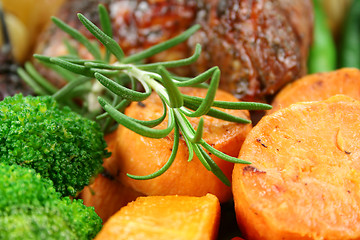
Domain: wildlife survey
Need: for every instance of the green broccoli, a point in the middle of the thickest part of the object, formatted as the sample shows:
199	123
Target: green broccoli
30	208
56	142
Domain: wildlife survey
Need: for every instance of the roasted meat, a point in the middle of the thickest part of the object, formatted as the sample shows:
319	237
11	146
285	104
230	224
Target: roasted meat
258	45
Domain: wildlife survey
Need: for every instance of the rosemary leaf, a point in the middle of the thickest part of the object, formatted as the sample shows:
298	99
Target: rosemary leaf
161	46
39	79
185	126
201	156
124	92
92	64
222	155
231	105
107	41
33	84
70	48
197	80
68	88
78	36
219	114
150	123
199	132
215	168
155	122
172	64
105	20
65	74
136	127
42	58
120	107
207	102
75	68
190	149
175	96
169	161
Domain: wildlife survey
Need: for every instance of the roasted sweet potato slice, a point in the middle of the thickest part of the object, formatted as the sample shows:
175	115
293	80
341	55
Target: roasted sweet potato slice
106	194
304	181
319	86
165	217
140	155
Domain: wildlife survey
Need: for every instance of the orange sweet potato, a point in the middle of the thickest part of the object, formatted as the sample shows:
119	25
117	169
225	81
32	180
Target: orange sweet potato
140	155
106	194
165	217
319	86
304	181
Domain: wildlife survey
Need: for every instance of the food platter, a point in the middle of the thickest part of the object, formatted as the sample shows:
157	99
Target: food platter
172	88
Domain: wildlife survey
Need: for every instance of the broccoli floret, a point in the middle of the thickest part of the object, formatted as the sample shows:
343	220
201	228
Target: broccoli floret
30	208
57	143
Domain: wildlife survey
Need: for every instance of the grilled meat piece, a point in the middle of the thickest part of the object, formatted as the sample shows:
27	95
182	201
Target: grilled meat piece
258	45
255	45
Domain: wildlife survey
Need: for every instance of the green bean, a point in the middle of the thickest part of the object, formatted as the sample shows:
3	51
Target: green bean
349	55
322	56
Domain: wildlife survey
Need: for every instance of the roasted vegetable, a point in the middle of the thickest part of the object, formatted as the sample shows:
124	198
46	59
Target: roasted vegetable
319	86
322	56
304	179
30	208
165	217
138	155
57	143
349	54
107	195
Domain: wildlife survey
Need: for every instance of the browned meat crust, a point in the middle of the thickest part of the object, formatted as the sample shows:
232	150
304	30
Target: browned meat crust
258	45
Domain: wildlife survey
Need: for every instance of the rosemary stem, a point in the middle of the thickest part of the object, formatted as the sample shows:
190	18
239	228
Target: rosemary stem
147	77
181	120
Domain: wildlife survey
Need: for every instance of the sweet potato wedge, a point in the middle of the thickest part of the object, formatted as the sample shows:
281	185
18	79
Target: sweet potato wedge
140	155
304	181
319	86
106	194
165	217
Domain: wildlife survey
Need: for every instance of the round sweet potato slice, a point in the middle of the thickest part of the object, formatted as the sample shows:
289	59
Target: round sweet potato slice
165	217
319	86
140	155
304	180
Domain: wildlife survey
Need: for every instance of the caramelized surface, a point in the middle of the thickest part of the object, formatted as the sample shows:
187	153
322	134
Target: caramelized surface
304	180
258	45
167	217
319	86
140	155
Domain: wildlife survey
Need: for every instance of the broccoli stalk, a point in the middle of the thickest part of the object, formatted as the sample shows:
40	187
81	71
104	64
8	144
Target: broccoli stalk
57	143
30	208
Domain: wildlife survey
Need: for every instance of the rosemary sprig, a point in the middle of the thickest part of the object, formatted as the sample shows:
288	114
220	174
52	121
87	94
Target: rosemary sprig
120	81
